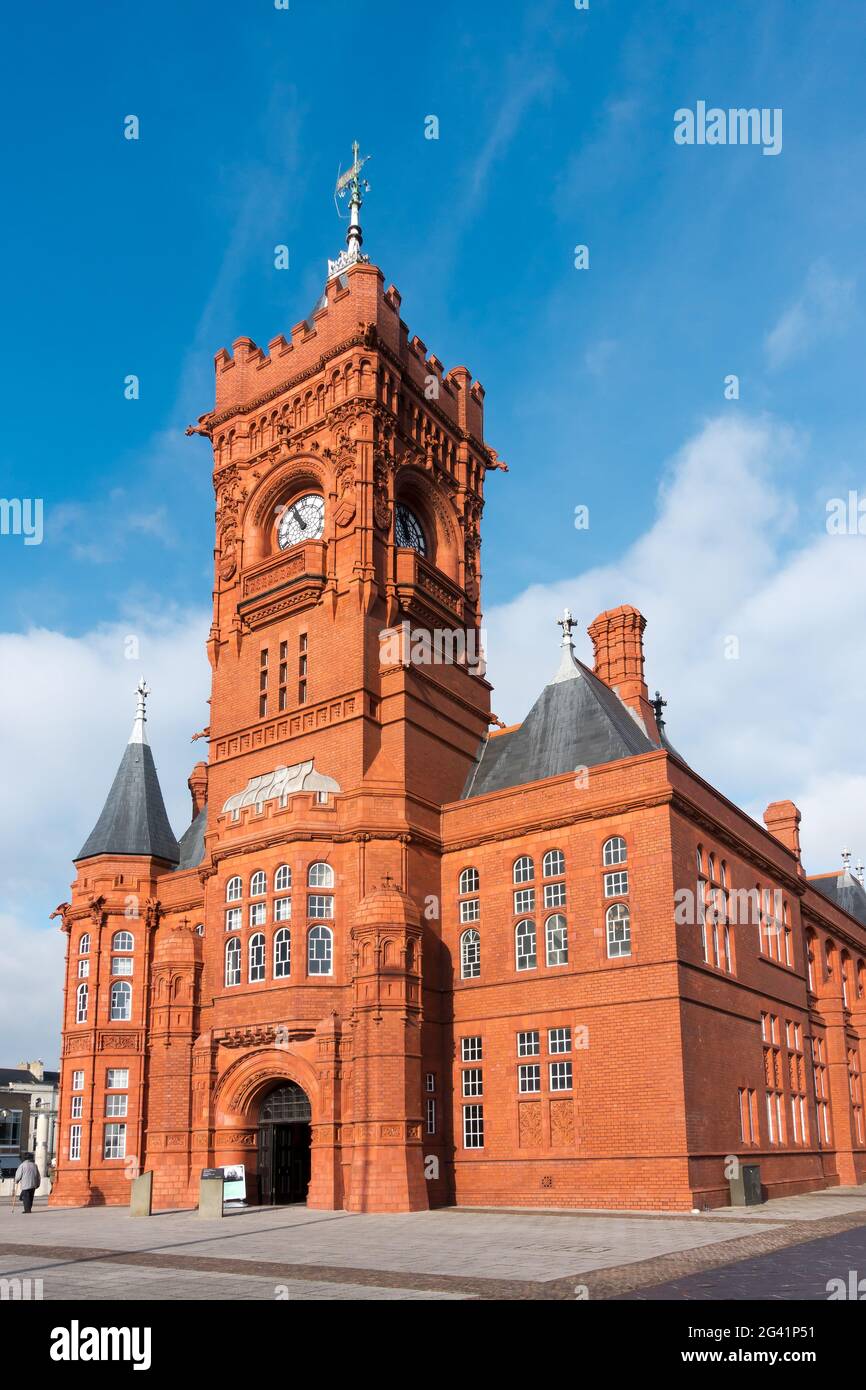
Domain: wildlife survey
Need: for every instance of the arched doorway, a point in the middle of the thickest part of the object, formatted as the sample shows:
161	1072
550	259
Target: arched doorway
284	1145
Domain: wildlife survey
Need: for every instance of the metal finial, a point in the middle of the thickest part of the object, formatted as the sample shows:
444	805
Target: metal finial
858	870
658	705
566	622
846	859
138	734
350	185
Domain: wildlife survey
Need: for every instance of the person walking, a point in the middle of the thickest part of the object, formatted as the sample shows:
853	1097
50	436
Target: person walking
29	1178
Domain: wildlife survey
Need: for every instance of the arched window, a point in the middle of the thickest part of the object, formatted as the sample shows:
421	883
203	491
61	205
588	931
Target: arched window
614	851
843	971
618	930
122	941
469	881
282	954
320	951
84	944
282	879
233	961
470	955
120	1003
556	940
699	855
320	875
524	941
524	869
257	958
258	883
234	888
81	1004
861	979
553	864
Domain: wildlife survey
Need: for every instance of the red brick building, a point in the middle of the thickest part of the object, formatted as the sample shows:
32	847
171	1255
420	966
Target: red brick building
402	957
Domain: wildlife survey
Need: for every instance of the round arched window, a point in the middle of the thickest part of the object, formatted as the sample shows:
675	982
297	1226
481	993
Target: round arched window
408	531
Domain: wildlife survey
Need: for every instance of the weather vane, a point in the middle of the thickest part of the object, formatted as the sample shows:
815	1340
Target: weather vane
350	185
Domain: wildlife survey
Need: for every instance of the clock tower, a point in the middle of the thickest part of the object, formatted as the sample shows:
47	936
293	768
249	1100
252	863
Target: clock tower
348	700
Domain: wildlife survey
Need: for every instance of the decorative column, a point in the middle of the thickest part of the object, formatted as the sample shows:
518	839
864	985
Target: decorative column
177	964
387	1170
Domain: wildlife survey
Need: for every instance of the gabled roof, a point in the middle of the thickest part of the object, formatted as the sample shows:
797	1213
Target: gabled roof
845	891
577	721
191	843
133	819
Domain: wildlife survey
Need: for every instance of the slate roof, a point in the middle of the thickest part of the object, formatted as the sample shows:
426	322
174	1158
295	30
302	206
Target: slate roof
577	721
845	891
12	1076
191	843
133	819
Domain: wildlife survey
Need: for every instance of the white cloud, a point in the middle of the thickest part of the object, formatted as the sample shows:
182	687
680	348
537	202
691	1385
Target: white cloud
821	309
717	561
66	709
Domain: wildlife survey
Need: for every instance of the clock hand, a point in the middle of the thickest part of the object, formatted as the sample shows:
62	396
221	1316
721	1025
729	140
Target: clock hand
299	519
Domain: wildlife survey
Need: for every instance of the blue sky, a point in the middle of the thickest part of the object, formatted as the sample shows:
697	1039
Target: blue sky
555	128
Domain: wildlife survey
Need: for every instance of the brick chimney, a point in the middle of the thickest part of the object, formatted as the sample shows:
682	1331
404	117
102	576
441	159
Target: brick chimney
617	639
197	784
782	819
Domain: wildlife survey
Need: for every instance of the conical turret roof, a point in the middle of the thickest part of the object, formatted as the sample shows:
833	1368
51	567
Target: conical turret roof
134	819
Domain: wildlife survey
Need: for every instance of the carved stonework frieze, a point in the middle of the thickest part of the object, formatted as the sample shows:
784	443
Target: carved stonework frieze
529	1125
125	1042
72	1046
561	1122
236	1139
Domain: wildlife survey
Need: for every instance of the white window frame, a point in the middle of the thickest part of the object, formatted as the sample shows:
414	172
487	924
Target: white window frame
116	1106
526	945
553	864
74	1143
470	911
258	914
616	884
123	941
257	958
117	1085
473	1126
113	1142
559	1040
320	962
81	1003
472	1048
529	1078
283	879
78	1081
282	957
233	965
615	851
470	954
234	918
561	1076
523	870
555	956
320	875
120	1012
234	889
258	884
617	922
529	1042
320	907
469	881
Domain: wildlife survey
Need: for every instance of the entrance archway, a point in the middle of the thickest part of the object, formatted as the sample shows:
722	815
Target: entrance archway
284	1145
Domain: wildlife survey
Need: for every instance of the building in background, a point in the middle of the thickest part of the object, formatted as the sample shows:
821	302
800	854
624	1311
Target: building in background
38	1135
403	956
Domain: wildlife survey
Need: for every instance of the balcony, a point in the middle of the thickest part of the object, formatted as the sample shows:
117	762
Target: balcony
284	583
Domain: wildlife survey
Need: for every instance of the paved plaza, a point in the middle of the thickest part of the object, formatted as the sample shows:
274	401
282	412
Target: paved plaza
787	1248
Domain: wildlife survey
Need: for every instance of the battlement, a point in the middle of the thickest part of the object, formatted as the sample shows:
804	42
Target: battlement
354	310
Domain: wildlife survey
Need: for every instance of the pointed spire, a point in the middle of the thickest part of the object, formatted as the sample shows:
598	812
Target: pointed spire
568	667
133	819
139	733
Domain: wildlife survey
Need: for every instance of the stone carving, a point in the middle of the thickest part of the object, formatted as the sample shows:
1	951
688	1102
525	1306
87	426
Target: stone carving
346	484
63	911
561	1122
230	497
529	1125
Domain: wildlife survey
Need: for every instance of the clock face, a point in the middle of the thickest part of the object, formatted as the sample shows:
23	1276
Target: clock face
407	530
303	520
